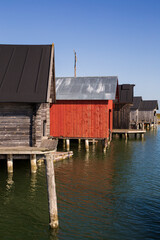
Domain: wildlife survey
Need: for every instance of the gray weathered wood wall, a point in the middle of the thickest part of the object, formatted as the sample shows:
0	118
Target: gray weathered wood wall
146	116
137	117
21	124
41	114
15	124
134	118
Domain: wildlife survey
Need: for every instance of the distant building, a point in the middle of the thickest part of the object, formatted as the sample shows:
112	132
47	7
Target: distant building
84	107
143	112
26	79
121	112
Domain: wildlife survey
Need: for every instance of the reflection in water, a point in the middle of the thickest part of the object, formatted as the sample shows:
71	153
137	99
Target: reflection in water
86	158
9	189
53	234
33	182
79	147
9	182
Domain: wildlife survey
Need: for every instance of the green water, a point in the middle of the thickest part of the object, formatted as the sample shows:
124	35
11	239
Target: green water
100	196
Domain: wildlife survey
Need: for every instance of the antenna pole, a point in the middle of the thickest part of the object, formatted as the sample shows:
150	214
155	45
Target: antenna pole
75	61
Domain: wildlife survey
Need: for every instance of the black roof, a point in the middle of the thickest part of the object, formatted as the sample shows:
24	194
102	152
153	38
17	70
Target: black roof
126	93
24	73
136	103
148	105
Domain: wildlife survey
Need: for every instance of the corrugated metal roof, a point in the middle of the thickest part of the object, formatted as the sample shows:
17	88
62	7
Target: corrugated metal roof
148	105
86	88
126	93
136	103
24	72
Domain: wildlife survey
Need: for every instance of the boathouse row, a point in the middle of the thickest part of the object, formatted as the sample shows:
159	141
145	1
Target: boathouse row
84	107
26	80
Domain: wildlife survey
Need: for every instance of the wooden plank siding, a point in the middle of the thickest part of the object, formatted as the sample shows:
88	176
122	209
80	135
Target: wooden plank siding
16	124
81	118
21	124
121	116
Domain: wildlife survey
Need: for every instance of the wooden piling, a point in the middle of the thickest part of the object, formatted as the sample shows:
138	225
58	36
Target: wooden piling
33	163
87	145
104	145
126	136
51	187
79	144
68	144
64	143
10	163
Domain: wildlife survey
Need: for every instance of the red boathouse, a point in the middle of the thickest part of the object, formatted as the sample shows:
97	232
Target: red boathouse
84	107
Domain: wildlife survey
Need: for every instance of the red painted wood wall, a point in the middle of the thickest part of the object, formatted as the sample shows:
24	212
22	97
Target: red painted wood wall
81	119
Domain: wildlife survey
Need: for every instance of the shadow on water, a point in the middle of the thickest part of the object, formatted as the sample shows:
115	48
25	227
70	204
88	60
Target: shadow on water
108	196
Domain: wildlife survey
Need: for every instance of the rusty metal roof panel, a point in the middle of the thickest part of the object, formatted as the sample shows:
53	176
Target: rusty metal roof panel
24	73
86	88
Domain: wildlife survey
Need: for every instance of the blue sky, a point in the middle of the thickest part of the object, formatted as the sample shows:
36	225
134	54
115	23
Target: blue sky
111	37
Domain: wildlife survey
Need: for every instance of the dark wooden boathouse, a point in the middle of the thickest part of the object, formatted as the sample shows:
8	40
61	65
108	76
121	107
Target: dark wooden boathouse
121	112
84	107
26	79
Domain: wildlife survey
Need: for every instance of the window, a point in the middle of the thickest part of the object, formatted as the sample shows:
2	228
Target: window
44	128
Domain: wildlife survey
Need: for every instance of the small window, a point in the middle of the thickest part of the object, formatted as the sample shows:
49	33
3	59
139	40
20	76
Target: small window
44	128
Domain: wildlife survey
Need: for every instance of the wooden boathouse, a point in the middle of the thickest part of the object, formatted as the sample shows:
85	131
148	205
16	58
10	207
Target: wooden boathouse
143	113
26	83
26	78
84	108
121	111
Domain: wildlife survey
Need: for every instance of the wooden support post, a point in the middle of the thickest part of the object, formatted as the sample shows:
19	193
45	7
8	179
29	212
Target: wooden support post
126	136
79	144
51	188
142	136
33	163
135	135
142	126
87	145
68	144
64	143
10	163
104	144
110	136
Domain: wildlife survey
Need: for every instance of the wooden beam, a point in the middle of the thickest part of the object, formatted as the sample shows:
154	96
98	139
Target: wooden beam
51	188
